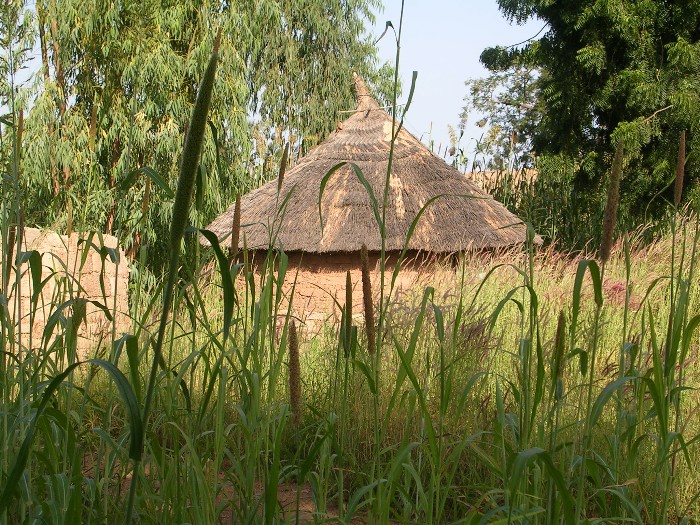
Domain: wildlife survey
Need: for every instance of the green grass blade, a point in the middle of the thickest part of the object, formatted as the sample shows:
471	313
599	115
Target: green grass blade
132	353
152	174
605	396
519	467
132	409
34	259
226	280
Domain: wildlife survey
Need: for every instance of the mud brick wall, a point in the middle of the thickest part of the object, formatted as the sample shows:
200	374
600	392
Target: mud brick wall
72	271
320	282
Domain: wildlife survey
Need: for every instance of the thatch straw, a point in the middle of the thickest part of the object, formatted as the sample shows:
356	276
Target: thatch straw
680	171
465	217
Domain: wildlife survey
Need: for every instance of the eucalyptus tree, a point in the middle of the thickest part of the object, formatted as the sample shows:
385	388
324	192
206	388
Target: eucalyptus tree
508	104
16	43
118	83
300	71
119	79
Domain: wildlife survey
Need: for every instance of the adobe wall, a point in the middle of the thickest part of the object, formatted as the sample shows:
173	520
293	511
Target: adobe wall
68	277
320	282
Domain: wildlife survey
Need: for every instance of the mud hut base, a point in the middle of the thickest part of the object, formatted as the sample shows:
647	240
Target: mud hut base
315	283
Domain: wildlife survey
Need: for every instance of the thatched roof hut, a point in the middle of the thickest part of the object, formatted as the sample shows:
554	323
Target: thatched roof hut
464	217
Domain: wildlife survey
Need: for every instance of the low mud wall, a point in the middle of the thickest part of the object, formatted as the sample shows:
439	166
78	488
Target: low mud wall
318	282
76	271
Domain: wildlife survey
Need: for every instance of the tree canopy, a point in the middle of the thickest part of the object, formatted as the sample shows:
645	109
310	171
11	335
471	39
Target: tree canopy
610	70
103	135
508	100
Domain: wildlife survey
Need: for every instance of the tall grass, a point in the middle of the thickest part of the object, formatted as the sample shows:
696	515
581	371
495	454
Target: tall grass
479	414
544	389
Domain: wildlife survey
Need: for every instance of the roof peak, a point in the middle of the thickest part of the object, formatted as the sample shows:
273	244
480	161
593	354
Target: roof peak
365	101
465	218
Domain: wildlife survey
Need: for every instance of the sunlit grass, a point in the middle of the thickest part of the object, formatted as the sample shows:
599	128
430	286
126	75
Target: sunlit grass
449	401
469	409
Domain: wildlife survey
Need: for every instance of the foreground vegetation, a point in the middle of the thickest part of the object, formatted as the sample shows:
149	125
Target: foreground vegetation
538	391
520	387
561	101
543	390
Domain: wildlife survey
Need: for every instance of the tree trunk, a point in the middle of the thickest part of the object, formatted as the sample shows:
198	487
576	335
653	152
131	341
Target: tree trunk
41	21
60	79
62	103
116	151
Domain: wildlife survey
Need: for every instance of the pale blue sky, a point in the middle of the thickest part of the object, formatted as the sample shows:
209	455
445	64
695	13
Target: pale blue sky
442	40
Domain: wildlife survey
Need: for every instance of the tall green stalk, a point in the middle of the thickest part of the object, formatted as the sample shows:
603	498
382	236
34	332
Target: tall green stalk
609	220
383	299
183	197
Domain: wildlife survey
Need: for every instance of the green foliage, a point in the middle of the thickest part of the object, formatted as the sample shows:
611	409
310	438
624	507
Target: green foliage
610	70
118	82
467	411
509	99
117	92
301	59
486	412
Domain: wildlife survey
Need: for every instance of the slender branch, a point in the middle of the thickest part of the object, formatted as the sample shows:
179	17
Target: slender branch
657	112
529	39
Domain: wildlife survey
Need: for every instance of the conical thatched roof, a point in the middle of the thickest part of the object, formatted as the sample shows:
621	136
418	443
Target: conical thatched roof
464	218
